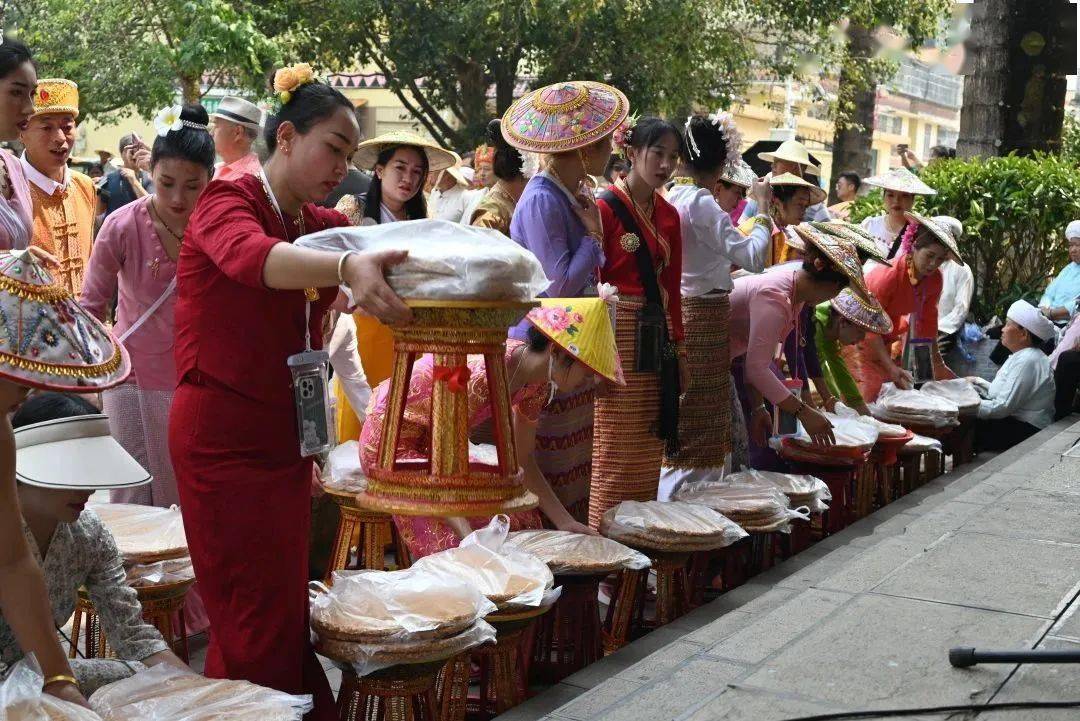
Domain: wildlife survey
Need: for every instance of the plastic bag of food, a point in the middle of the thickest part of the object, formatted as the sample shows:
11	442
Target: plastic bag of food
167	693
504	573
21	698
162	572
923	443
801	490
396	605
915	403
958	390
849	433
447	261
571	553
671	525
734	500
144	534
343	471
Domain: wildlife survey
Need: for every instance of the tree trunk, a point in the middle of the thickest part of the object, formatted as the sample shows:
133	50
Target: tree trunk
473	85
857	97
191	89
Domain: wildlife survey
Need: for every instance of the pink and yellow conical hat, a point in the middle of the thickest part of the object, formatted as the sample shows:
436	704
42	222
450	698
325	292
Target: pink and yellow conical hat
582	327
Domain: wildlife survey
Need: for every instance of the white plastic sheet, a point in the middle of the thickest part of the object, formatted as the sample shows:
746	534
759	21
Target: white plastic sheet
958	390
504	573
367	658
923	443
673	523
849	433
885	430
21	699
447	261
568	553
144	533
167	693
161	572
343	471
800	489
916	407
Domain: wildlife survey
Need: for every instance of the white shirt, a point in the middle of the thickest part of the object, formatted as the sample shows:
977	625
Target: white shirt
345	359
1023	388
47	184
711	242
876	227
447	204
472	200
958	285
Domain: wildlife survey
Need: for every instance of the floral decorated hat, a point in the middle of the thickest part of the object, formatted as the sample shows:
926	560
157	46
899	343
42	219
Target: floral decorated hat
900	180
582	327
564	116
940	231
47	340
839	251
439	158
865	312
739	173
854	235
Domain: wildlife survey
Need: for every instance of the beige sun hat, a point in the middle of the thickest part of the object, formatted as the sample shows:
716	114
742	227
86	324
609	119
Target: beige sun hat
941	232
456	173
817	195
839	251
793	152
900	180
439	158
854	234
75	453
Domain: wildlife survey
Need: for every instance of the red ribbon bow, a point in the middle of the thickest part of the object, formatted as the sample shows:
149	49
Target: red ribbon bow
457	378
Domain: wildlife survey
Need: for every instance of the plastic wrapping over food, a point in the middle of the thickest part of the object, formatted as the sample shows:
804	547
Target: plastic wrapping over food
160	573
958	390
447	261
167	693
343	471
914	407
21	699
396	605
885	430
485	453
144	534
801	490
504	573
367	658
673	525
571	553
923	443
753	505
849	433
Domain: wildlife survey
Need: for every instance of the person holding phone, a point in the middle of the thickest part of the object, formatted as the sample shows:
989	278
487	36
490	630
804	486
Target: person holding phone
129	182
557	219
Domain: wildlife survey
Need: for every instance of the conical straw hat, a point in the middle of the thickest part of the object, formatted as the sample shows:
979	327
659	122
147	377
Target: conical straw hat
866	313
900	180
564	116
438	158
581	327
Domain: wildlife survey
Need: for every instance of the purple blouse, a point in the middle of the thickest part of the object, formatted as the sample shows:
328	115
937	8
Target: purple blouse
545	223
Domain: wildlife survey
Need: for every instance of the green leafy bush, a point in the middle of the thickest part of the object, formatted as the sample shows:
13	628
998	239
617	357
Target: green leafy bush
1014	212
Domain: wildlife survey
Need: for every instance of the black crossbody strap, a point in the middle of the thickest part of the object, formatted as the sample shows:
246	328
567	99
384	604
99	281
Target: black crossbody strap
646	269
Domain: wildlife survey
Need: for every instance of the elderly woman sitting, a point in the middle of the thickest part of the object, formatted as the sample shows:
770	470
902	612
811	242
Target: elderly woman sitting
1059	301
1020	401
69	541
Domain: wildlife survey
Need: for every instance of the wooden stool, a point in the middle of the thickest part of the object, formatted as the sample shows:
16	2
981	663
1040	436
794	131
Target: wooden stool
162	607
568	638
626	614
864	489
885	459
369	531
398	693
910	462
621	612
502	666
842	481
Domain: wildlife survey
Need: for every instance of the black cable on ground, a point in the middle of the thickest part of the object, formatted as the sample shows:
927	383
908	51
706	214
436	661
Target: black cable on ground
895	713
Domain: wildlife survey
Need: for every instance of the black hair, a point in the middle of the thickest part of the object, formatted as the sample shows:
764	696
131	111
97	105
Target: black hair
852	177
310	104
13	54
785	193
536	341
508	162
942	151
647	132
614	162
706	148
42	407
829	273
925	237
415	207
187	143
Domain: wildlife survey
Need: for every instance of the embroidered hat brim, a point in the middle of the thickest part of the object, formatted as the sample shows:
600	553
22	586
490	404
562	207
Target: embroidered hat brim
564	116
47	340
839	251
439	158
739	173
858	238
939	231
76	453
865	312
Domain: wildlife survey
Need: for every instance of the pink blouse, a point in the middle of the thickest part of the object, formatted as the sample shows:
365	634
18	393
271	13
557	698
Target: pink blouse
763	312
16	215
128	257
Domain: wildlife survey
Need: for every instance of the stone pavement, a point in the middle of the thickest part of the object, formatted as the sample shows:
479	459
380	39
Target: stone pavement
988	558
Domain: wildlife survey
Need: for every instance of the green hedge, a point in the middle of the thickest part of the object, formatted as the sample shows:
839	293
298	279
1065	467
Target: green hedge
1014	212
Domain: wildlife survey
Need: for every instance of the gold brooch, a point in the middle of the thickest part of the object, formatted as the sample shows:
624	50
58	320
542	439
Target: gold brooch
630	242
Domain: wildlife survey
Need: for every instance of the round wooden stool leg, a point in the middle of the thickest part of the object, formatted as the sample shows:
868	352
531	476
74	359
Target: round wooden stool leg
76	623
452	688
628	595
348	523
371	549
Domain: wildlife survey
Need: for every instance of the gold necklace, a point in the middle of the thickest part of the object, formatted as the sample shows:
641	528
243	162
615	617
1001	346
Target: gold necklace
157	215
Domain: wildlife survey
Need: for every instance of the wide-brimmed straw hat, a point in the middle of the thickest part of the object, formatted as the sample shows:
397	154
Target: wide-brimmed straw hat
900	180
839	251
854	234
941	232
793	152
439	158
456	173
739	173
817	195
582	327
47	340
865	312
564	116
76	453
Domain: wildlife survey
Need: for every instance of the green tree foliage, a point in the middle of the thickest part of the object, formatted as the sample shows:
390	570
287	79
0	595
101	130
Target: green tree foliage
124	53
1014	210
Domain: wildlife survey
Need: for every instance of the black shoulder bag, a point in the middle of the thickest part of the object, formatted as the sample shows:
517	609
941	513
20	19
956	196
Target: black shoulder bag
654	351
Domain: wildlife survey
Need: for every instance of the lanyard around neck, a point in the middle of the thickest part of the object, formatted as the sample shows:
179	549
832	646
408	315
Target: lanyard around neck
285	229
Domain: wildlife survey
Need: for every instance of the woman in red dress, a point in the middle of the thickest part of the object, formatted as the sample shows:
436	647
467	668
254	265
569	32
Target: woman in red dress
242	309
637	422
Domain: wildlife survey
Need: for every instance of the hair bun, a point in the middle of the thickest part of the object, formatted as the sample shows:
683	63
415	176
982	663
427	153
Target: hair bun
195	113
494	135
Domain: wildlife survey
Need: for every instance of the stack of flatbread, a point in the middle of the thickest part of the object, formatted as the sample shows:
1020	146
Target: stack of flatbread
144	534
672	526
568	553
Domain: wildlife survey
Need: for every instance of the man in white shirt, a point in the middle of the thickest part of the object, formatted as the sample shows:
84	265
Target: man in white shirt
958	287
448	197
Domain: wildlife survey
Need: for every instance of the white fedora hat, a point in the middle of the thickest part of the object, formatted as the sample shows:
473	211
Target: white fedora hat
75	453
239	111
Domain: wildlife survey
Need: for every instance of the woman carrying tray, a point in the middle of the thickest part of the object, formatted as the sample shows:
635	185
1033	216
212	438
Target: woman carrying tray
55	433
569	345
557	219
